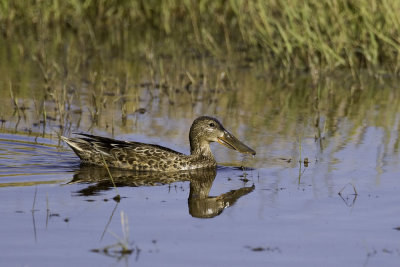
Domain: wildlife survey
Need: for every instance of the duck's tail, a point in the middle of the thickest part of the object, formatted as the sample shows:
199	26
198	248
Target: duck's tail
80	146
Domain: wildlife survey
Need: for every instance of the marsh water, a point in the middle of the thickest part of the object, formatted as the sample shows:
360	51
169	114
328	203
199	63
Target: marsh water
323	189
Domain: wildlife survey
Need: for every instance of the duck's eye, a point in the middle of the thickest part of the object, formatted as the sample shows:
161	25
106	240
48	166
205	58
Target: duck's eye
212	124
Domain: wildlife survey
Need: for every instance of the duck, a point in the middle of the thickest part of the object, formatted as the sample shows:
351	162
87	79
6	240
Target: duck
136	156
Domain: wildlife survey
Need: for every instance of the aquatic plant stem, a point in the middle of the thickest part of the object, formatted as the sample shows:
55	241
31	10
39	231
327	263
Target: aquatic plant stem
109	221
34	200
299	159
47	209
354	188
118	196
300	149
15	101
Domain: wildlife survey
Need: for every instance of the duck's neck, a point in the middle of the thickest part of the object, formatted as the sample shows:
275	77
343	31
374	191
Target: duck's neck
198	148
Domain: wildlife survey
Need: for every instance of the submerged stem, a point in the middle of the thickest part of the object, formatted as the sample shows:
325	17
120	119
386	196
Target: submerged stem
109	173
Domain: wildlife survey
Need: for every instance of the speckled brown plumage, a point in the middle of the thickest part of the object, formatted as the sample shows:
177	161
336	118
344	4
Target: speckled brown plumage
148	157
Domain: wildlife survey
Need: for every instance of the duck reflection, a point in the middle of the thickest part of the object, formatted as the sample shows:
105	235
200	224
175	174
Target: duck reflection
201	205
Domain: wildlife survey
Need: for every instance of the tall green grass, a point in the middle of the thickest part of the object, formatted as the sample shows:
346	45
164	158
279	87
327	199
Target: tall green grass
292	34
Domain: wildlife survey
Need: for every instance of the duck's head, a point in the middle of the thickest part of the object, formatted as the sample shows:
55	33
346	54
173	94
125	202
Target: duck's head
205	130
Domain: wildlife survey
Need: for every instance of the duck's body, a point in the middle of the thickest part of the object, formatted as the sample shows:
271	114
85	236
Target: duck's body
148	157
134	155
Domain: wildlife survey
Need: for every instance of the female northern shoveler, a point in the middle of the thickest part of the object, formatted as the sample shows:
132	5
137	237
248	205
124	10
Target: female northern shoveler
147	157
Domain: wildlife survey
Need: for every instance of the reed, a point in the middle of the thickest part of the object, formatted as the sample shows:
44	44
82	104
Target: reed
292	34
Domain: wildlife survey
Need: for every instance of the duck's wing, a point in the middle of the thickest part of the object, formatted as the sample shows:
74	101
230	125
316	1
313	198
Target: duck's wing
122	154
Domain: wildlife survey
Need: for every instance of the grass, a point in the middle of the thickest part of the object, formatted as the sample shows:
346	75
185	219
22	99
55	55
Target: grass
289	34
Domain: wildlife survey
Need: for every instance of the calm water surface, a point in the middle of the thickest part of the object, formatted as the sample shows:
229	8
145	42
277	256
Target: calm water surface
267	210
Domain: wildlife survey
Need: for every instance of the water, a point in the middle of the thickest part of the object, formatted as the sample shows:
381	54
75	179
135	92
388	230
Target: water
267	210
285	220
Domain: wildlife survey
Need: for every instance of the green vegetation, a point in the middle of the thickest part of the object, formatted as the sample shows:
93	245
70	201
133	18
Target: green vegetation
313	35
72	66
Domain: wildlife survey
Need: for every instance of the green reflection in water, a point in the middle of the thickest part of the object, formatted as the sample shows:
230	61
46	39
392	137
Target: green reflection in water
157	91
20	184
